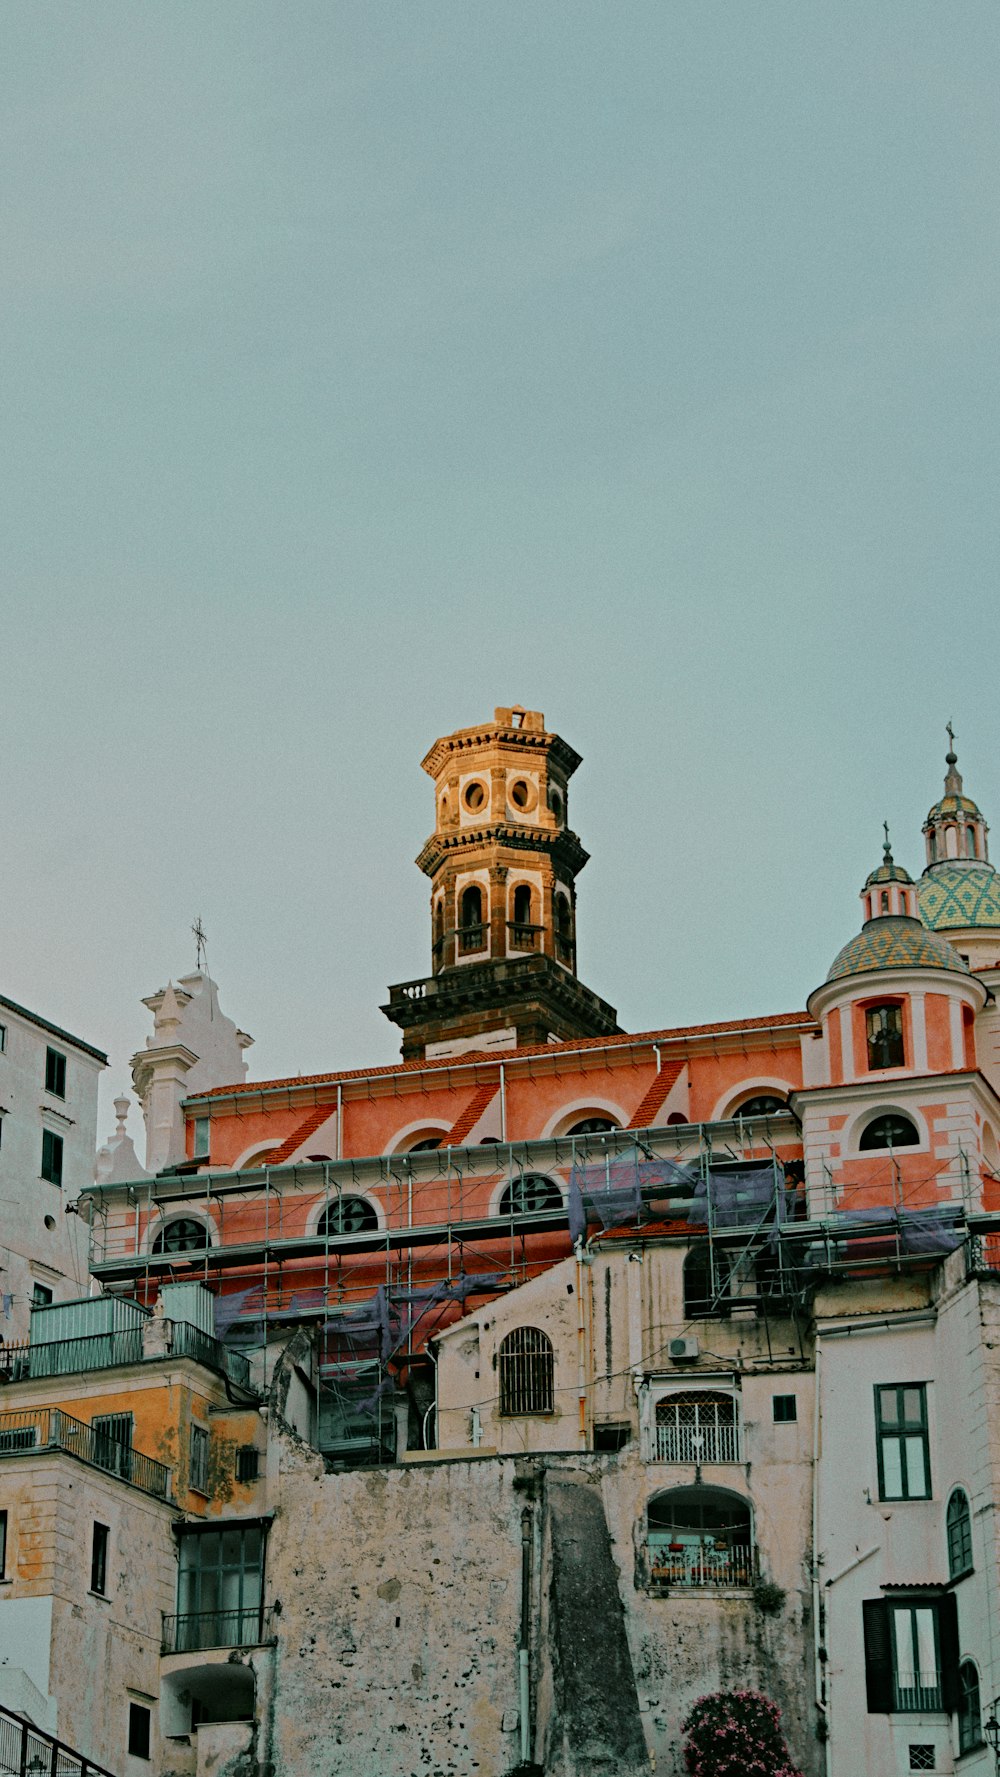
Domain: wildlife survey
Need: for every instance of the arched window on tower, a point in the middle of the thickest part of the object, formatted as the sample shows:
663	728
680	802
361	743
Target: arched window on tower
438	934
885	901
970	841
884	1028
523	934
470	919
933	846
564	929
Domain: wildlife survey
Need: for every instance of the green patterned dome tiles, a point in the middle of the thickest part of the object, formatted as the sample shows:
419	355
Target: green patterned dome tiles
955	805
954	896
888	873
893	942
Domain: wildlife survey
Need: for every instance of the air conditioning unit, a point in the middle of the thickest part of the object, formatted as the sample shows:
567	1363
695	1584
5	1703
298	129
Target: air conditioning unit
681	1351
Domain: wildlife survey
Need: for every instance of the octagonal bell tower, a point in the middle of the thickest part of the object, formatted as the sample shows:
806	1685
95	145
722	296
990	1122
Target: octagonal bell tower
503	863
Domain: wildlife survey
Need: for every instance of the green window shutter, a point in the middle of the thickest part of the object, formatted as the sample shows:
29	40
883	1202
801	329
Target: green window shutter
948	1645
878	1656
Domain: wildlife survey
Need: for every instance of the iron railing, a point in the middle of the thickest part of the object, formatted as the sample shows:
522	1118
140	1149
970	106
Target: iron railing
49	1428
27	1751
915	1692
524	937
697	1443
471	938
701	1567
92	1351
106	1351
189	1341
196	1630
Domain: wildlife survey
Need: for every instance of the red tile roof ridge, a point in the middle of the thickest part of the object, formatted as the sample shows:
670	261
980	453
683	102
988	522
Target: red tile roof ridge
479	1057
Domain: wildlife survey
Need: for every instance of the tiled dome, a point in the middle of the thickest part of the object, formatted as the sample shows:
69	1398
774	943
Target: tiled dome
893	942
888	872
954	896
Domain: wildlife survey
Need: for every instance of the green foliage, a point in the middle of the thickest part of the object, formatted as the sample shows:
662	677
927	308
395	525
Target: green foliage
736	1734
768	1598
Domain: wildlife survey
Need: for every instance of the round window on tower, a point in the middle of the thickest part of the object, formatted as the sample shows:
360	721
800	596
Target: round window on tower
523	795
474	797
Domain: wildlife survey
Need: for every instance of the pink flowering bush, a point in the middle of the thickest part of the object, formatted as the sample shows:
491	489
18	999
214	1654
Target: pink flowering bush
736	1734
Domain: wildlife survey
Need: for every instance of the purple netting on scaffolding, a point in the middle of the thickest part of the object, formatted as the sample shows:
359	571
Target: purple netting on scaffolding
739	1197
934	1229
611	1192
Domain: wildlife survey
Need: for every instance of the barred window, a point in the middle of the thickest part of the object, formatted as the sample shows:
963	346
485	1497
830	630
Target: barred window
526	1372
697	1427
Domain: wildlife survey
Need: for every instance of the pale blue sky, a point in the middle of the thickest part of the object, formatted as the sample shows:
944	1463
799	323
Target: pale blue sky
365	366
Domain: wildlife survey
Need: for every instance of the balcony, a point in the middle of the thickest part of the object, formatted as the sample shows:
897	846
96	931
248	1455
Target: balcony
124	1345
25	1751
917	1692
690	1567
200	1630
697	1443
523	937
470	939
49	1428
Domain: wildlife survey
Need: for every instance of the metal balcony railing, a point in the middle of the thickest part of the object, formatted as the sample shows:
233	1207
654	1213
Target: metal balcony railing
982	1254
914	1692
471	938
25	1751
190	1341
49	1428
106	1351
524	937
697	1443
701	1567
196	1630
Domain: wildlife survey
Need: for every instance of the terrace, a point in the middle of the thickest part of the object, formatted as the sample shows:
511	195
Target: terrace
49	1428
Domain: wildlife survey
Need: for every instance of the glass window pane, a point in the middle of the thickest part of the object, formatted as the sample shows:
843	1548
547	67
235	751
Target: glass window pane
913	1406
231	1548
925	1649
916	1469
251	1547
892	1469
887	1400
903	1628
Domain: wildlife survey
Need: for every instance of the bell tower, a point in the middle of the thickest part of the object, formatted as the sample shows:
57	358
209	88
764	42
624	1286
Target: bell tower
503	863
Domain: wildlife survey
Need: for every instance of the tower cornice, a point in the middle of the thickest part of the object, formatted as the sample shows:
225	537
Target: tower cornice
561	845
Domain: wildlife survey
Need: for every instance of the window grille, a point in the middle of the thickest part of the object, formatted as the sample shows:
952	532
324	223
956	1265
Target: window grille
889	1132
921	1756
346	1215
526	1372
697	1427
182	1235
885	1035
247	1463
529	1193
959	1524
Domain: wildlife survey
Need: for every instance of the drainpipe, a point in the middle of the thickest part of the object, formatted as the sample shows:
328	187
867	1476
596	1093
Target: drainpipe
523	1670
581	1368
340	1120
819	1651
503	1104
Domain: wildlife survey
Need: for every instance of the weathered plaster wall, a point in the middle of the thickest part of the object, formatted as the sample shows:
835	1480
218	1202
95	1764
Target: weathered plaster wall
399	1595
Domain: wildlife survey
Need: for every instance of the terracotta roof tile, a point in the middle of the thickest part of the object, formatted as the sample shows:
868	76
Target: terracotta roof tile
624	1040
647	1107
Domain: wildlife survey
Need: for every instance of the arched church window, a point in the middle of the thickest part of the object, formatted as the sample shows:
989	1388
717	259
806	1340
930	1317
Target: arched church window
884	903
763	1104
346	1215
532	1192
970	841
182	1235
593	1126
933	847
884	1028
889	1131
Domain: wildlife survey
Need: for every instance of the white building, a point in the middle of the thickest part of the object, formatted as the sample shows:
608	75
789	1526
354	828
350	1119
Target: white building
48	1124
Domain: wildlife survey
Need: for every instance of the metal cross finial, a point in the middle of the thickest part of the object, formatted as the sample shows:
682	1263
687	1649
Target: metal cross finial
200	940
950	732
887	848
